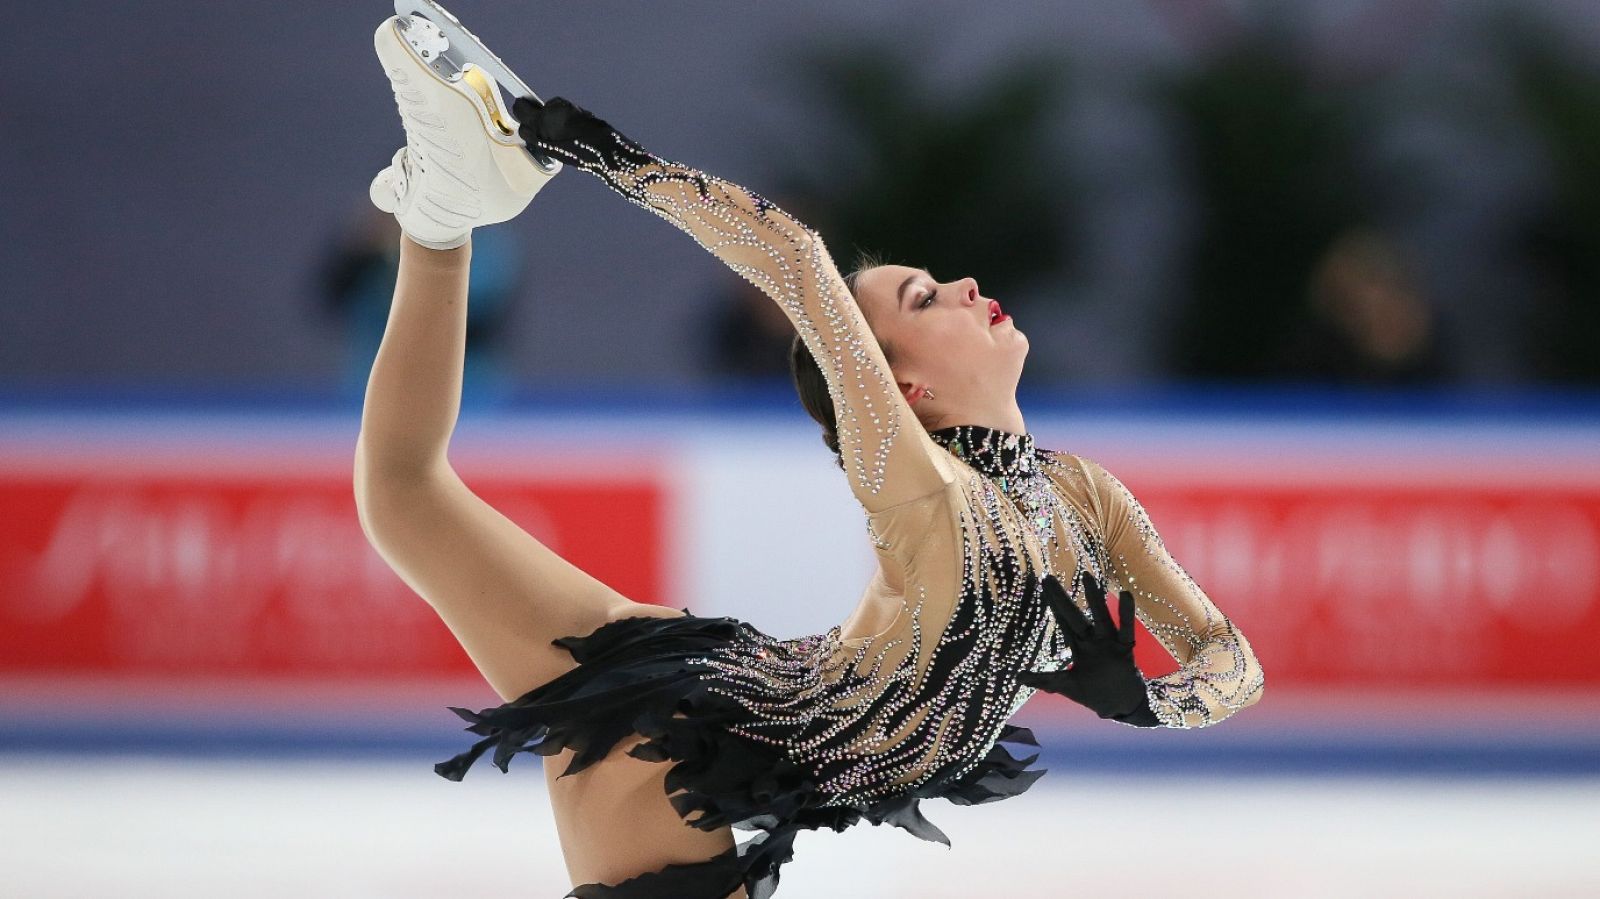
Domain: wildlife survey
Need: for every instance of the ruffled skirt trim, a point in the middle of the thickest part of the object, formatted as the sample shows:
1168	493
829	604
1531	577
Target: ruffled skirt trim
644	675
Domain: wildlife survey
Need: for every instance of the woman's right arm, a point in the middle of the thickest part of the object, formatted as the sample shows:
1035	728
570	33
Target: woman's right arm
889	458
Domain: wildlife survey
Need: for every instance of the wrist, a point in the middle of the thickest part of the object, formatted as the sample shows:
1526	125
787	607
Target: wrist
1142	715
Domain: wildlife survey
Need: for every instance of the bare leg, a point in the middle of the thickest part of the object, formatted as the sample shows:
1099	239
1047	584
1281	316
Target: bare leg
615	822
503	594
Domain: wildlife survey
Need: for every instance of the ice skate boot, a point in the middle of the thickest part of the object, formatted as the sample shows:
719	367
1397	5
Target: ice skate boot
463	165
462	47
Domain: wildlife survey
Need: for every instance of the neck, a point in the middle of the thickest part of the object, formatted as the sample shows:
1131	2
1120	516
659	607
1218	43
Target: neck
1003	418
1008	457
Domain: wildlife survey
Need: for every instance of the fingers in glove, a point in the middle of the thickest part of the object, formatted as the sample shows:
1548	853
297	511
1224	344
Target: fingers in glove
1090	585
1103	627
1067	613
525	108
1125	618
528	112
1061	683
554	120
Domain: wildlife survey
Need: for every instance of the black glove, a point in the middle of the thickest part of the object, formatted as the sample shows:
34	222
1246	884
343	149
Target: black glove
1102	676
563	130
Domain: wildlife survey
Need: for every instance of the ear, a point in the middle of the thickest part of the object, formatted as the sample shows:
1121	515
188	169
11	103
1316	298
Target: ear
912	390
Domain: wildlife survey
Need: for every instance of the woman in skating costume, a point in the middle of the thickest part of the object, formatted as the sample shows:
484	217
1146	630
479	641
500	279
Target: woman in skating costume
992	555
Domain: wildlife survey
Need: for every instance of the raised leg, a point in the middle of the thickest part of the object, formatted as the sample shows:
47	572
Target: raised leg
502	593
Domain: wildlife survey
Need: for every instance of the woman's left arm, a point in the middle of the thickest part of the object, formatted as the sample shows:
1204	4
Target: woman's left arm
1218	672
888	457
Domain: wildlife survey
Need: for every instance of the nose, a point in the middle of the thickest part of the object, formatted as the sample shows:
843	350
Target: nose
971	294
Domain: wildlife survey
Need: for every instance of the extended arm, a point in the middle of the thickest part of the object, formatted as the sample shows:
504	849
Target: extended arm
889	458
1218	673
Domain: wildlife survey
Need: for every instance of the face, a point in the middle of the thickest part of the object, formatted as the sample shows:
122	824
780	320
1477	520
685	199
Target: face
942	337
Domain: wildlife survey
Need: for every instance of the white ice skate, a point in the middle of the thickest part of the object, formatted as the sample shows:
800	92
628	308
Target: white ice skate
463	165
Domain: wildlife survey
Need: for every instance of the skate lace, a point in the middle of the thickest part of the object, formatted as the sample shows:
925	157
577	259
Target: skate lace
407	174
426	132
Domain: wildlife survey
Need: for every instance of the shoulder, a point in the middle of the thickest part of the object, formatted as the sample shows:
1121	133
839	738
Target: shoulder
1083	483
1073	474
1083	470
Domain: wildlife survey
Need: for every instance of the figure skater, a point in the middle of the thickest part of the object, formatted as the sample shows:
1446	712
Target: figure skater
660	729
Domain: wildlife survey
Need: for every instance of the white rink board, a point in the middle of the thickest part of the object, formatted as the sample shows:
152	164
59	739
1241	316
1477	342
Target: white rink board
105	825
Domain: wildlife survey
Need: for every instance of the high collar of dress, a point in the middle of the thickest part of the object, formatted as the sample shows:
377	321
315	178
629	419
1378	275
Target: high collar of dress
996	453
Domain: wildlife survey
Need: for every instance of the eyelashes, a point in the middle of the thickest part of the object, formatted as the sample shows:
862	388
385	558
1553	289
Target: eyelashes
927	300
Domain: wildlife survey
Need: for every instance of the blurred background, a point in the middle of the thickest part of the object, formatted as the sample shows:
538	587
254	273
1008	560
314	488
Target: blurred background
1320	281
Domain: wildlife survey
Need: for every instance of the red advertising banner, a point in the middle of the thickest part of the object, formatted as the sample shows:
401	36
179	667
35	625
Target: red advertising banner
211	573
1402	574
1483	584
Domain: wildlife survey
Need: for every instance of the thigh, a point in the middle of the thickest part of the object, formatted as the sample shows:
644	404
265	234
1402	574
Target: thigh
615	822
503	594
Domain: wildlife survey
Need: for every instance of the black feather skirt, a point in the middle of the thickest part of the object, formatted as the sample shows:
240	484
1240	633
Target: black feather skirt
651	676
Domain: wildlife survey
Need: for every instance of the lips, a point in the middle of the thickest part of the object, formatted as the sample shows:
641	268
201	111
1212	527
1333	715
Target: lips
996	316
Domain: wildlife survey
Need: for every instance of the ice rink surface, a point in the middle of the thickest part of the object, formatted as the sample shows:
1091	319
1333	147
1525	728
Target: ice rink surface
78	825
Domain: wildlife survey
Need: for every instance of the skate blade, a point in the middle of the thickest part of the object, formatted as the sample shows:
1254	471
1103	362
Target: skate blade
449	51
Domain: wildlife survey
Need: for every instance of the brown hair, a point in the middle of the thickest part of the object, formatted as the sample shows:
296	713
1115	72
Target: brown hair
809	381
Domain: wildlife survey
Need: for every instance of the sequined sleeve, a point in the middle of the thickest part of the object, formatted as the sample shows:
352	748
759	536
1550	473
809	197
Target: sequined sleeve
1218	673
889	458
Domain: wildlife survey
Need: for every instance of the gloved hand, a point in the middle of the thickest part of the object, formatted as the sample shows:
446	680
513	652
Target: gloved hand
565	131
1103	676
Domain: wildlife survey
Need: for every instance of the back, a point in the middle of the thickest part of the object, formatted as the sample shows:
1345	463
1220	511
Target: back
924	701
